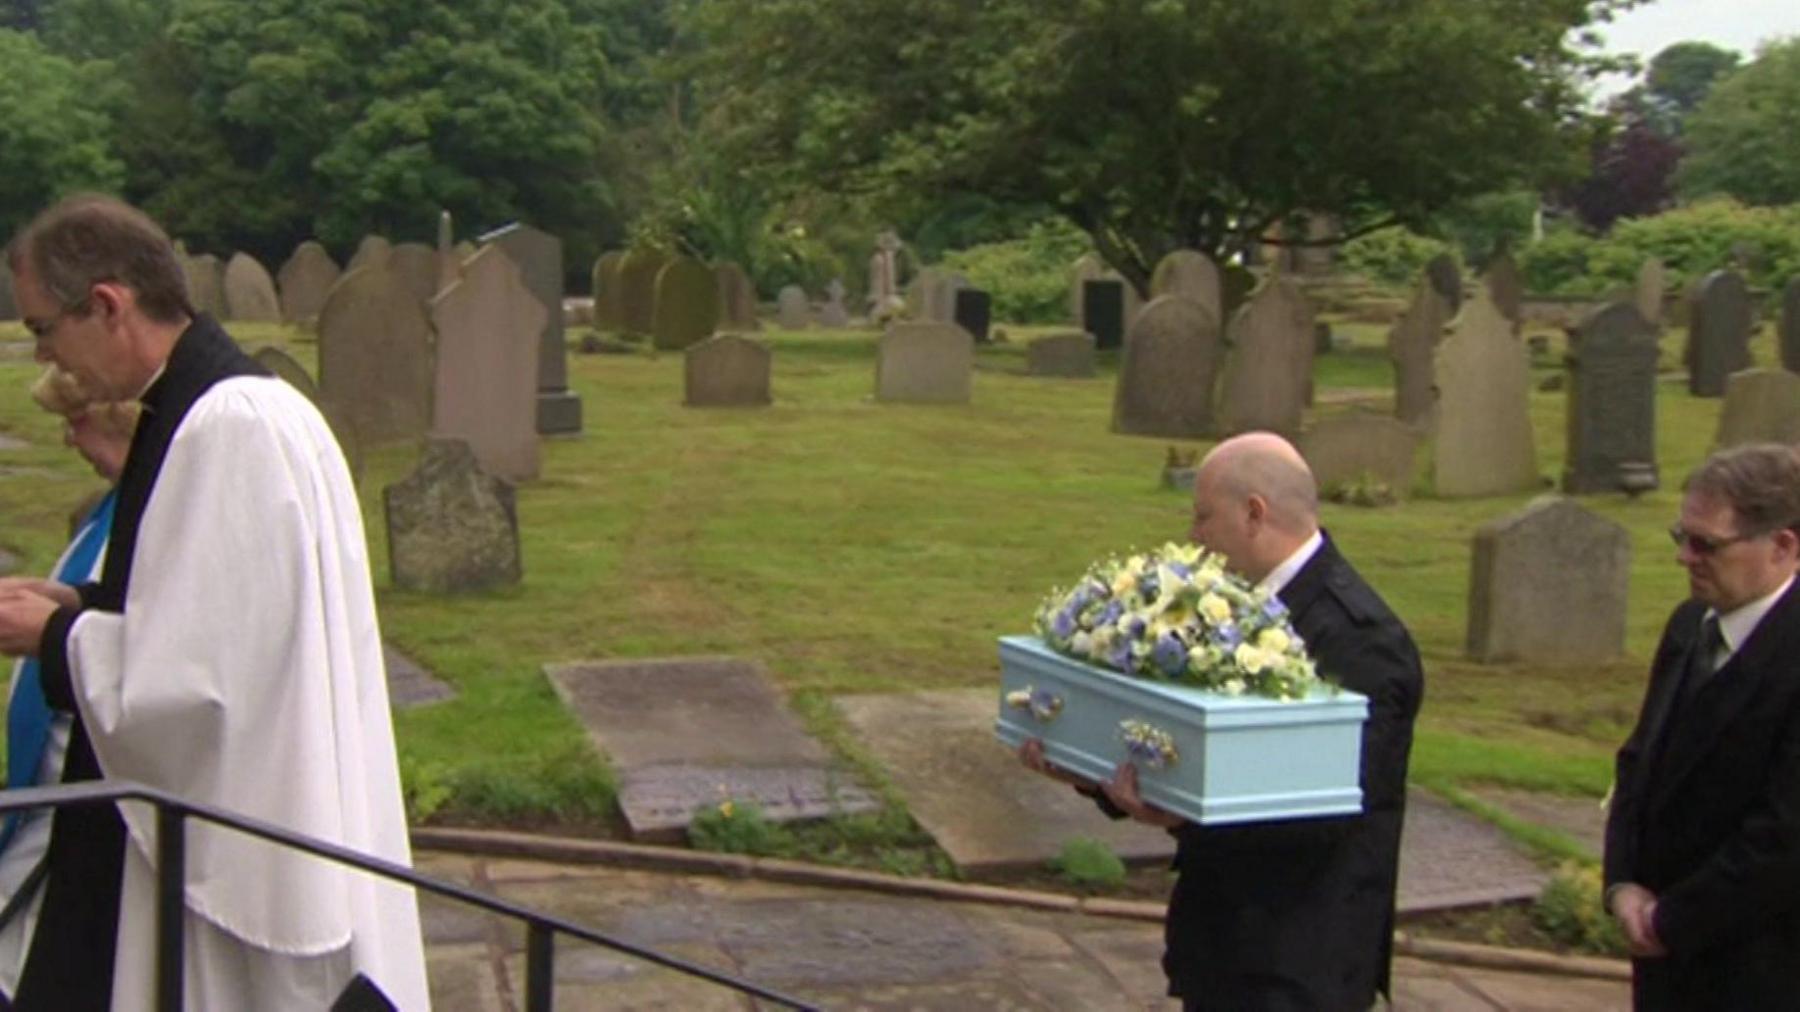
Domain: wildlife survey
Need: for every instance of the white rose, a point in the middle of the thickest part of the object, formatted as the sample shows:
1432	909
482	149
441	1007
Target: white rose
1251	659
1213	608
1273	640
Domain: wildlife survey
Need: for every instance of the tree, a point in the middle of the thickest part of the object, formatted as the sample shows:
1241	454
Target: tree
57	133
1633	176
1149	124
1681	75
1744	139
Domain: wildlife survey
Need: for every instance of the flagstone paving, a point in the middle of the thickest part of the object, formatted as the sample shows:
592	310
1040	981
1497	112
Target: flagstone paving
849	949
1580	819
410	685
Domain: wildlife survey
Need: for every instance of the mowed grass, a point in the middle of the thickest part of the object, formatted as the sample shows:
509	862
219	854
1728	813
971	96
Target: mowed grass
858	547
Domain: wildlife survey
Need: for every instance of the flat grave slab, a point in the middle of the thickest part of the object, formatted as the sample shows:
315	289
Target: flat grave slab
989	813
13	443
410	685
685	733
1450	859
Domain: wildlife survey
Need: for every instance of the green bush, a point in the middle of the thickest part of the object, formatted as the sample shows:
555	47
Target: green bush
1690	241
1090	864
1028	278
1391	255
1572	911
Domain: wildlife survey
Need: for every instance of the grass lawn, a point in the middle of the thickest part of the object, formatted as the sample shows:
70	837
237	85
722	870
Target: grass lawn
857	547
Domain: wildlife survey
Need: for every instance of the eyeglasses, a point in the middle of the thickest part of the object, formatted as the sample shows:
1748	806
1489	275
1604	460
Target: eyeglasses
1700	544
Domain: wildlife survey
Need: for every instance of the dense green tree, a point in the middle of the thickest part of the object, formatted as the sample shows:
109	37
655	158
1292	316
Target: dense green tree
1744	139
1149	124
1681	75
57	132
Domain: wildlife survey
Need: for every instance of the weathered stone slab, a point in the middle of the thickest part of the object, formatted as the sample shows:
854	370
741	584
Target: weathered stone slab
737	298
418	270
687	304
1612	402
637	289
679	730
1789	328
305	279
249	291
1761	406
1445	278
1354	448
372	251
833	313
1412	345
451	528
1190	273
539	257
410	685
206	284
792	309
284	366
727	371
1484	444
939	288
608	309
1450	859
1533	570
489	327
924	363
1652	285
1069	356
988	812
1268	370
1506	288
1718	333
375	361
1169	371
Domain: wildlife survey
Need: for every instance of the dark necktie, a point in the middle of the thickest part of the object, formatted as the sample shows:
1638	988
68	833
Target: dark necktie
1700	661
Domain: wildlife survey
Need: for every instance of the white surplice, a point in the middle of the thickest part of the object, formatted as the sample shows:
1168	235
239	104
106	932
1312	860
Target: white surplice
246	672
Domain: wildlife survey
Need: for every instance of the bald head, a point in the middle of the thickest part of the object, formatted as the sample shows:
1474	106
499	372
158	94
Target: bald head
1255	502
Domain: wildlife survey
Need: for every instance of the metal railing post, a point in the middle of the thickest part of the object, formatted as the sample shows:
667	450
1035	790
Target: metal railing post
171	872
540	966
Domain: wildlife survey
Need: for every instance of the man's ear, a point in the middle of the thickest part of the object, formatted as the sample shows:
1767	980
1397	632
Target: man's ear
1787	541
109	300
1257	509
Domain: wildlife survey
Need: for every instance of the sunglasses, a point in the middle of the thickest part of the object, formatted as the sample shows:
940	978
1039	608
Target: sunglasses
1700	544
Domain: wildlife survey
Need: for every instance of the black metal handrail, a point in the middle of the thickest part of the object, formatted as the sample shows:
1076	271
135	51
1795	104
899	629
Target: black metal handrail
171	872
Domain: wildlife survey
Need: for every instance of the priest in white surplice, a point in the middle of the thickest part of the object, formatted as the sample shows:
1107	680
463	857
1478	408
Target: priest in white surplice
229	654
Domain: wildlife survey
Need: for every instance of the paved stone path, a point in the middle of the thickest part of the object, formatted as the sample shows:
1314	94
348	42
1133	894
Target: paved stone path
847	949
1580	819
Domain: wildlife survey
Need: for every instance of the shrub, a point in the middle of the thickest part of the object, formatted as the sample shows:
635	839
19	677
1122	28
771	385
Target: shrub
738	827
1690	241
1090	864
1391	255
1572	911
1028	277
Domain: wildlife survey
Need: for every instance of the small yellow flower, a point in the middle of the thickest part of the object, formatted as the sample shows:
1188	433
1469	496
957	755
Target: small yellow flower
726	808
1214	608
1273	640
1251	659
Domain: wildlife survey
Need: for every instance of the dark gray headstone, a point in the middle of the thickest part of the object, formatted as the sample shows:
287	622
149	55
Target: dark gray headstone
485	392
1485	445
1103	311
1269	367
1446	279
1612	401
305	279
974	308
539	257
1718	333
726	371
1169	371
924	363
451	527
1790	325
375	360
1069	356
1761	406
1534	569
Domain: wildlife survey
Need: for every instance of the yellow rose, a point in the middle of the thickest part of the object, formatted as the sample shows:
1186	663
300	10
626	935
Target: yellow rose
1251	659
1214	608
1124	583
1273	640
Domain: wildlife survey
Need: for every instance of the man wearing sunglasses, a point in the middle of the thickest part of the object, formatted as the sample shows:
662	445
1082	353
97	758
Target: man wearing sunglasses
1703	836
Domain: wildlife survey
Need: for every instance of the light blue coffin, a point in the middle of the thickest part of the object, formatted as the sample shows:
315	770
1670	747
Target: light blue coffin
1241	758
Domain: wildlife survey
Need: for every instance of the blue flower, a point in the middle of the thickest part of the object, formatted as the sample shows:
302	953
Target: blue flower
1180	569
1170	655
1135	627
1063	625
1227	635
1274	609
1120	657
1113	610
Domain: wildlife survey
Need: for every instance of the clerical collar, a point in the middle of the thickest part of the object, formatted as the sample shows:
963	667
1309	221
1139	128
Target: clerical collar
144	394
1737	625
1281	575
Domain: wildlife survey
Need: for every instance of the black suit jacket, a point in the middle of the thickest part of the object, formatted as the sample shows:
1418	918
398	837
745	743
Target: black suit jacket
1706	815
1300	914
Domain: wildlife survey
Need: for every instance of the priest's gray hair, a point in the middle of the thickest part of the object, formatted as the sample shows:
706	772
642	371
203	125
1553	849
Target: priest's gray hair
90	239
1760	482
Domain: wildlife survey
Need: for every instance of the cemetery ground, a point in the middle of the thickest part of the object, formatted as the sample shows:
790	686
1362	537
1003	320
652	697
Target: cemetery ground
856	547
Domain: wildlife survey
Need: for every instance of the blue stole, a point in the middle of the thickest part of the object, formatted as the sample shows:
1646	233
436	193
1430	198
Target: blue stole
28	717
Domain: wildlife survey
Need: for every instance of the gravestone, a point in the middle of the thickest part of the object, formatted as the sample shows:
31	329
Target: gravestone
608	311
1168	371
488	325
1068	356
1190	273
1718	333
286	368
1446	279
1790	325
1611	415
449	265
1412	345
737	298
974	308
940	296
375	356
1269	367
452	528
1506	287
1484	440
924	363
9	304
1761	406
372	251
1087	267
687	304
249	291
206	285
726	371
1351	449
1535	569
1103	311
1652	284
305	279
884	277
832	313
539	257
791	308
637	289
686	733
1236	282
418	270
